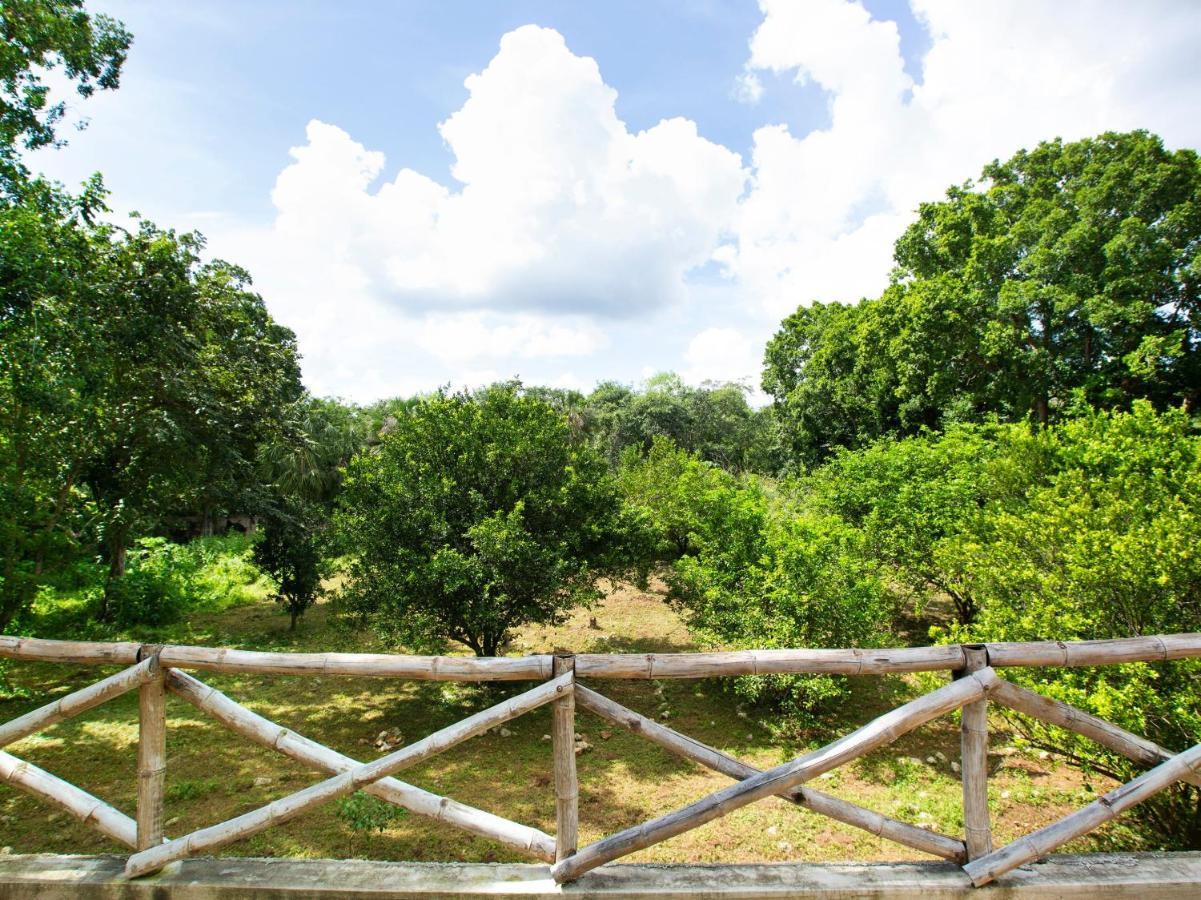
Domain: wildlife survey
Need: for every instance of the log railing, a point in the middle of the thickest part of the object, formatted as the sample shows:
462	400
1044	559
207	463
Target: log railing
157	670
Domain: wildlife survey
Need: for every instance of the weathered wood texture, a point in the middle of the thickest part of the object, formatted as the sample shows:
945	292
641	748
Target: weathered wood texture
767	662
876	733
79	803
78	701
344	783
1039	843
1055	712
266	733
841	810
973	760
567	787
1155	648
850	661
152	760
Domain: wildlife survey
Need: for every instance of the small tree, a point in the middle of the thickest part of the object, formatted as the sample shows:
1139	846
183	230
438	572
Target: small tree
477	514
290	551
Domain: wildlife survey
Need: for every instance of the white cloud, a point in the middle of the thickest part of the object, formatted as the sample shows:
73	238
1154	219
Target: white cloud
561	208
826	207
569	248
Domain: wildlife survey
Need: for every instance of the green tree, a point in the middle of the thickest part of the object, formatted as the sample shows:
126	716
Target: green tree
192	375
1068	276
477	514
48	413
290	551
39	36
909	497
1105	547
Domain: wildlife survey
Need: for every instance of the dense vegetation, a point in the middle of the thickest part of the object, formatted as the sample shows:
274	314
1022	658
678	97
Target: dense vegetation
1002	446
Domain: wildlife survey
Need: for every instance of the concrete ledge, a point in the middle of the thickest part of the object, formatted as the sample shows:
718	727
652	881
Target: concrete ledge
1145	875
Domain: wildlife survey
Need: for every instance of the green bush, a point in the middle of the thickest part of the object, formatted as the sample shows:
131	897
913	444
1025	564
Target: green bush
1108	546
476	514
153	590
747	574
163	580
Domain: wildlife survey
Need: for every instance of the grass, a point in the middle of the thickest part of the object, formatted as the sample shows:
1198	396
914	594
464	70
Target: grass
213	774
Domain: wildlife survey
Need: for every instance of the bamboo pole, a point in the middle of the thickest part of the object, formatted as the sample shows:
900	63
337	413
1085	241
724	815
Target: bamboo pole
268	734
1055	712
973	754
824	804
78	701
876	733
567	787
79	803
1039	843
152	758
851	661
124	653
420	668
1154	648
344	783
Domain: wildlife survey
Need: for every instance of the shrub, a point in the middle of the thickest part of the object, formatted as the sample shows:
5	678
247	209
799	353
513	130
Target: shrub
477	514
1107	547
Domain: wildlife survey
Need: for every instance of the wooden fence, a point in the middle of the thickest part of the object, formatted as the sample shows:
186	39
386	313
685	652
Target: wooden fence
156	670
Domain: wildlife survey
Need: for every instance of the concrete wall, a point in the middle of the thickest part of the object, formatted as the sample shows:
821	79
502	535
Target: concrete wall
1148	876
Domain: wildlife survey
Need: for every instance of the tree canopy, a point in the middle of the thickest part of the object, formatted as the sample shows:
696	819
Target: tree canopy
1069	275
476	514
39	36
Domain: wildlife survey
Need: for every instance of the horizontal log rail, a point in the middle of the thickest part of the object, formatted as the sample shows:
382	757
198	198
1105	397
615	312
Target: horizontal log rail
538	667
153	670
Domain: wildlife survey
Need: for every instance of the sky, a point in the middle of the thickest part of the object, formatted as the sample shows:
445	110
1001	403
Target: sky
452	193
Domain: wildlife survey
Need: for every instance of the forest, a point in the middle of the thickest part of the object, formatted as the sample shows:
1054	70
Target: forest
1004	445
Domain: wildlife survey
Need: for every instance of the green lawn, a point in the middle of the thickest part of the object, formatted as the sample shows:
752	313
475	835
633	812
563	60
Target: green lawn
213	774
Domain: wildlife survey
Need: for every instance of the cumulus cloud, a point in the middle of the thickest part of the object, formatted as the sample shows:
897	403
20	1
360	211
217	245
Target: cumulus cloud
561	207
825	207
563	230
721	354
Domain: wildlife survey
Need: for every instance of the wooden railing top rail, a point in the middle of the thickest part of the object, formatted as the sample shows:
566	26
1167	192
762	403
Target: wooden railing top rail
538	667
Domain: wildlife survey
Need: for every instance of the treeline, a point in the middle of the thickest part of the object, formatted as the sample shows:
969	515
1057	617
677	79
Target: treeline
1067	278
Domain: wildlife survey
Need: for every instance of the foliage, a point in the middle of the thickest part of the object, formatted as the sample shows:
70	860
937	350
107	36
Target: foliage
47	420
749	575
363	813
1107	547
134	380
165	580
908	498
477	514
679	494
37	37
1068	276
291	552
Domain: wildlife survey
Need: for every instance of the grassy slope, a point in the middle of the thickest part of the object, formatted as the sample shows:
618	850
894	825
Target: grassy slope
213	775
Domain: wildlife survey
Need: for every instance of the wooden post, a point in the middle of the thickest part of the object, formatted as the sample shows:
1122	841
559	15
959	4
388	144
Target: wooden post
973	743
152	757
567	789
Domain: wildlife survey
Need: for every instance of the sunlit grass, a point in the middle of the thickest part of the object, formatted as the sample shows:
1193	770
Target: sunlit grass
213	774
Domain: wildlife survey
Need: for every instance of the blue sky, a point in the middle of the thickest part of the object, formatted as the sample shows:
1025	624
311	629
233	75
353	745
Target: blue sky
625	188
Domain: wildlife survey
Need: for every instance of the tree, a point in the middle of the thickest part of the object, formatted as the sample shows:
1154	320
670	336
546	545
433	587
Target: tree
38	36
1067	277
48	413
290	551
1105	547
477	514
1082	261
192	374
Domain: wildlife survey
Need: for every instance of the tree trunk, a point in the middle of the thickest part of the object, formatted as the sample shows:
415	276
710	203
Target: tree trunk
206	525
117	554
